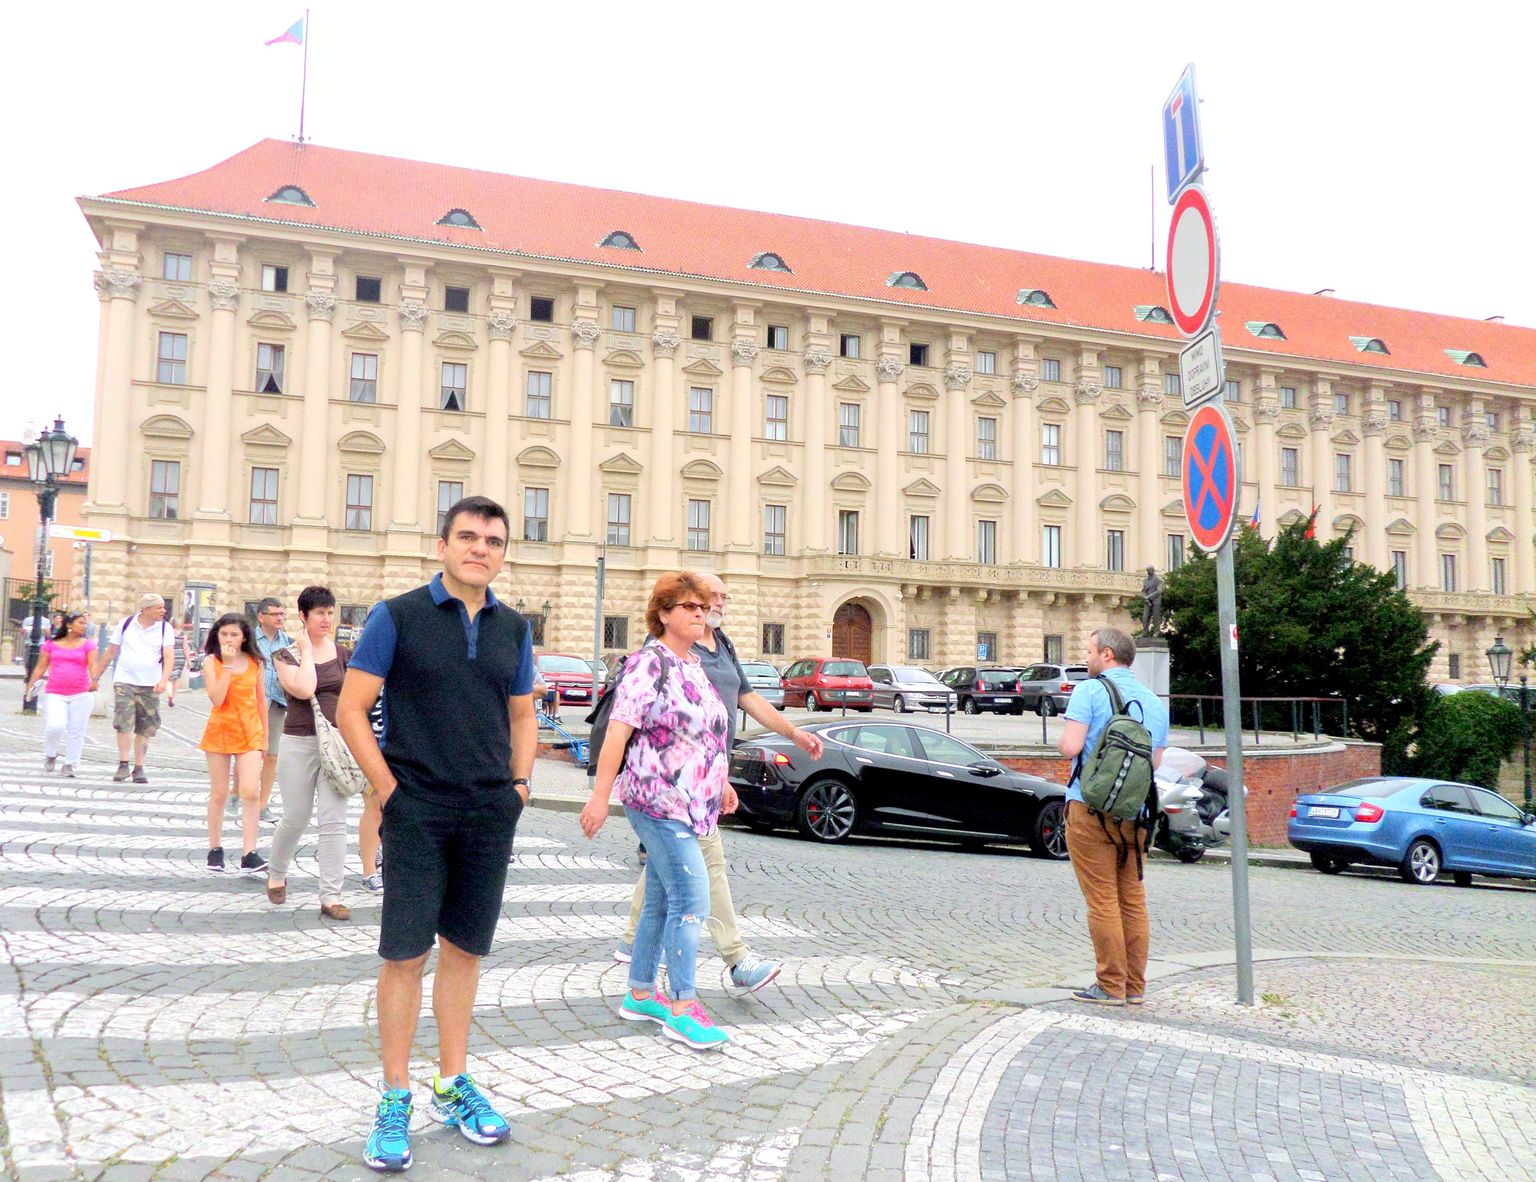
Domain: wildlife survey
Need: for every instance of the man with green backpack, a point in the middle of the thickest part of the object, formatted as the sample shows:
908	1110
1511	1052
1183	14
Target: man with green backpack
1115	733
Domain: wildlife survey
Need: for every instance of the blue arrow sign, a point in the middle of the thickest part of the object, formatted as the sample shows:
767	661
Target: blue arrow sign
1183	152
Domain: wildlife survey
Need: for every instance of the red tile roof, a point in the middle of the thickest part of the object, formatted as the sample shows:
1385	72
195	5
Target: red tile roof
21	472
387	197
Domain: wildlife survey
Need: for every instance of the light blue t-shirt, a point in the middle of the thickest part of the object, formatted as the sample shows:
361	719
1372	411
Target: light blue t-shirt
1090	703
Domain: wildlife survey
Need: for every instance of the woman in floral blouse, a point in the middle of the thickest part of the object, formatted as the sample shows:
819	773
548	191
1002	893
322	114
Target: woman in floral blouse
672	782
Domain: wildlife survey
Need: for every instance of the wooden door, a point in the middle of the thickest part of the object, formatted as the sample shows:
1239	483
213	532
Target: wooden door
853	633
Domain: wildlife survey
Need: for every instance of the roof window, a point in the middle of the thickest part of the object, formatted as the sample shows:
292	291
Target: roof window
459	217
1153	314
768	261
291	195
1462	357
620	240
1369	344
908	279
1036	297
1266	330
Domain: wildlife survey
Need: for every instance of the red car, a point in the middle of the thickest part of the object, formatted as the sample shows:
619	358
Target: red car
570	676
828	682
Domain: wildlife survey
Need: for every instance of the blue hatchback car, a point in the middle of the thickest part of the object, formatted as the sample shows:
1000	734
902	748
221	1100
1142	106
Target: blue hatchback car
1425	828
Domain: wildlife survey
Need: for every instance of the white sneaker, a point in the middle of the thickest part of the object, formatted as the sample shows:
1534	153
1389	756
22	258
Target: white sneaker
752	972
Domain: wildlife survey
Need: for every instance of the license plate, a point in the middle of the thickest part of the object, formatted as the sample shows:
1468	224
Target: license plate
1315	811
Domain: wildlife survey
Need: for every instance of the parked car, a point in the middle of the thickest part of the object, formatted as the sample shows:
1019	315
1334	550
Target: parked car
568	675
1045	688
906	687
764	679
828	682
1510	693
1423	827
985	687
893	778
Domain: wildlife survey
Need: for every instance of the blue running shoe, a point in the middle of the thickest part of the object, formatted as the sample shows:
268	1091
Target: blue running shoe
389	1145
459	1104
655	1008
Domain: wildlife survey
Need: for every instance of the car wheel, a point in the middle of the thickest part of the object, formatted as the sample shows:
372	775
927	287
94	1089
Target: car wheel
1327	863
1421	864
827	810
1462	877
1046	707
899	705
1189	854
1048	835
969	706
811	703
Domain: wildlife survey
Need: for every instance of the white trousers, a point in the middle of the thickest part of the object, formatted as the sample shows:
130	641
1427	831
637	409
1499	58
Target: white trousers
66	714
304	792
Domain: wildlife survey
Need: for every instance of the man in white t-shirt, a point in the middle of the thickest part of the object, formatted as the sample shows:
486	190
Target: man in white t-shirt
143	647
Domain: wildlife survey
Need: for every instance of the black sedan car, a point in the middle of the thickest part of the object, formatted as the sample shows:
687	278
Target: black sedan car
892	779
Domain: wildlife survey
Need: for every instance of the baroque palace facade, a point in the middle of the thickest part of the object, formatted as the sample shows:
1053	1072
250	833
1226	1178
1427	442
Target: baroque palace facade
891	447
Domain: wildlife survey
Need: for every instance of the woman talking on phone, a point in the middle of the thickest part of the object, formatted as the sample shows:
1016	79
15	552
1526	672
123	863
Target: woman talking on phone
236	735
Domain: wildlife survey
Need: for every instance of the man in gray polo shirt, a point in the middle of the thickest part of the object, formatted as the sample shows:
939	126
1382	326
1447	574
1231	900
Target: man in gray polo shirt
749	972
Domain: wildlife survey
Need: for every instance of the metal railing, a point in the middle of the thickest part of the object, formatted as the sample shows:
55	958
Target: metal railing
1296	715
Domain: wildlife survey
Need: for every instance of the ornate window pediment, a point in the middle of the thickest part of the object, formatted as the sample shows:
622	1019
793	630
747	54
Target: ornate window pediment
1402	527
922	487
1054	499
1447	447
1496	453
702	470
451	450
265	435
922	391
1175	418
991	494
166	427
270	321
622	464
1499	534
778	375
1451	532
988	400
173	309
852	384
851	482
1117	503
1291	431
624	359
541	351
1346	437
365	330
1174	509
1348	521
1115	412
1288	518
537	457
778	477
703	367
361	442
1054	406
453	339
1399	443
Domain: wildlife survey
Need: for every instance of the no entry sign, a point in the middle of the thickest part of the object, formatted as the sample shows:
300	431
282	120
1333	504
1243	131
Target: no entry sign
1193	262
1210	474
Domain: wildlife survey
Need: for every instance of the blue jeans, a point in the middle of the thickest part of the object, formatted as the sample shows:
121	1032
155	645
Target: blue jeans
676	905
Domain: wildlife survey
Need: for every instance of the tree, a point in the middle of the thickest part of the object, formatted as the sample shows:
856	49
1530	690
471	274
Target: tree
1312	623
1465	737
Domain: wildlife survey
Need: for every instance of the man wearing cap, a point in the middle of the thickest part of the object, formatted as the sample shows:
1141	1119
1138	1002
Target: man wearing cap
142	646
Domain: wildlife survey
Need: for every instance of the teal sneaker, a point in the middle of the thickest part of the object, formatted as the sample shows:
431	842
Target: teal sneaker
693	1028
459	1104
655	1008
389	1145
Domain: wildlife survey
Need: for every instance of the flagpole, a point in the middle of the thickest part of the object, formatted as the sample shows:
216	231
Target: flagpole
304	79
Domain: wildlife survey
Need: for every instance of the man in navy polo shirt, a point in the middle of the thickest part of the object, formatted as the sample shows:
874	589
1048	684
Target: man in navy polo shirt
452	779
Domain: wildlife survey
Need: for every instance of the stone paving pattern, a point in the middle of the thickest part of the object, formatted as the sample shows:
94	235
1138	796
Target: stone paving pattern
157	1021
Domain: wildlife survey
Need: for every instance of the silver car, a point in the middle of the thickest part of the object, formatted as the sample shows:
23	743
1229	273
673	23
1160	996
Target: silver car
906	687
764	679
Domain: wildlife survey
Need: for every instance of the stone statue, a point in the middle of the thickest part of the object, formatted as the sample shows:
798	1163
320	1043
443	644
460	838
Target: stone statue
1151	603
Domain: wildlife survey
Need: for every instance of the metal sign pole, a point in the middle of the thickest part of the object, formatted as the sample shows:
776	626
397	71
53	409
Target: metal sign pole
597	622
1232	717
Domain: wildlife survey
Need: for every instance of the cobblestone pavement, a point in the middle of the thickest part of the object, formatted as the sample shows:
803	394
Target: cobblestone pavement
157	1021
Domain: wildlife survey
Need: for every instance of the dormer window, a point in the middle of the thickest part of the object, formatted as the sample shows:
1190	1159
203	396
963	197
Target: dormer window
459	217
768	261
1462	357
1036	297
1266	330
291	195
1153	314
1369	344
620	240
908	279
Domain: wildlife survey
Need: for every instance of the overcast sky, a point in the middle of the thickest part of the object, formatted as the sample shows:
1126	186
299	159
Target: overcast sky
1356	146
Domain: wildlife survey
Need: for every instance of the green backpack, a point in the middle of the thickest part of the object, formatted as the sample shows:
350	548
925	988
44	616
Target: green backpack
1116	776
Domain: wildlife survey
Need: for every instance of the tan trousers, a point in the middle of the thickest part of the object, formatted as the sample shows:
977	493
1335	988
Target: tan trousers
1116	898
722	912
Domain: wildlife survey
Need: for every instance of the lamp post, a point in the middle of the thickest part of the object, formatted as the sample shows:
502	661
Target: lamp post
1525	716
1500	657
49	459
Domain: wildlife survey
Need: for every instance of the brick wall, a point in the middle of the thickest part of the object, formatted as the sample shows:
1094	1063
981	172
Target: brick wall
1275	778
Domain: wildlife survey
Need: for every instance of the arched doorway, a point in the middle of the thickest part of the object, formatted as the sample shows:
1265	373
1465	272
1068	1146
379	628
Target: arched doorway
853	633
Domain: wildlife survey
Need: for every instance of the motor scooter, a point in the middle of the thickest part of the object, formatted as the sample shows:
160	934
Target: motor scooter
1192	814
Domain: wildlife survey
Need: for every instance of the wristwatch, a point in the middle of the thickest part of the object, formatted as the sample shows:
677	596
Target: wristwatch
525	782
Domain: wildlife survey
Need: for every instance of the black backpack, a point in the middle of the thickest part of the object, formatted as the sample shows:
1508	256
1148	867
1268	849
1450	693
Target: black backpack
598	719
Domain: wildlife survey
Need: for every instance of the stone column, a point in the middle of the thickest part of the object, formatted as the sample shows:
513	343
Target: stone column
1086	547
888	427
663	518
813	508
958	543
1023	542
1525	555
117	287
739	487
1148	547
499	325
1474	434
218	409
314	434
1374	544
1426	428
1266	453
589	400
1321	417
405	472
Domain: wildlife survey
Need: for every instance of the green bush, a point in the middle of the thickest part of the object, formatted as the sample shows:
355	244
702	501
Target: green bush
1465	737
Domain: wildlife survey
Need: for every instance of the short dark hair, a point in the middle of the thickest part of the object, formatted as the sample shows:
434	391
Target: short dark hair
481	507
268	601
315	596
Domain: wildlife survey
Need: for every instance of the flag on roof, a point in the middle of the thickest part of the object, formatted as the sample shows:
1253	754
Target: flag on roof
293	35
1253	522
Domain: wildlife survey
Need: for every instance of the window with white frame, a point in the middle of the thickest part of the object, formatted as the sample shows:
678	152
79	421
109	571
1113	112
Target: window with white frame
776	417
1050	443
1343	472
848	345
773	639
778	336
986	542
847	531
1175	551
986	438
917	644
538	402
1114	549
454	386
1173	454
918	432
269	368
1400	569
1446	484
449	494
1341	402
1443	415
623	319
1495	486
917	537
698	524
701	410
359	503
1231	391
618	519
1171	384
263	496
165	489
1496	578
365	378
1394	410
1493	420
274	277
1396	484
1114	451
171	359
986	361
1114	377
621	403
848	424
535	514
1288	397
176	267
1050	369
775	518
1050	545
1290	467
1447	572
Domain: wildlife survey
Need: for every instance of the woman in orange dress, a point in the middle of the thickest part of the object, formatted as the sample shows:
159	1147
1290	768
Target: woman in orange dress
236	735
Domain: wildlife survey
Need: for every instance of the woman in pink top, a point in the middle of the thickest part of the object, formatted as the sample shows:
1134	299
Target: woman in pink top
66	662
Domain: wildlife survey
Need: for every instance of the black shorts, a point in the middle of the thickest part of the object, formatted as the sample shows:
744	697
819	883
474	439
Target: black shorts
444	871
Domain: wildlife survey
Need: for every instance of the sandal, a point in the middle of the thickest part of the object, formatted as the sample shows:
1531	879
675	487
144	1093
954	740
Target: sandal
277	895
335	911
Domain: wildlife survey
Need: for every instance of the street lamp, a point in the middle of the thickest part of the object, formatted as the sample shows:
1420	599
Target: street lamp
1525	716
49	459
1499	658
